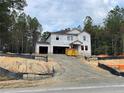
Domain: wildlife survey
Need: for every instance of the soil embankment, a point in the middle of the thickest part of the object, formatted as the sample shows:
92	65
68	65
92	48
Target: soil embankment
30	66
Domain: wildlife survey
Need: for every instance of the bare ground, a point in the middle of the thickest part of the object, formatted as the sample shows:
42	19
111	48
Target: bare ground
23	65
73	70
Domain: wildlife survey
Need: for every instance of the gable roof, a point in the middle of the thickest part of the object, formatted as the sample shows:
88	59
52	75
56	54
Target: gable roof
66	31
63	32
60	32
77	42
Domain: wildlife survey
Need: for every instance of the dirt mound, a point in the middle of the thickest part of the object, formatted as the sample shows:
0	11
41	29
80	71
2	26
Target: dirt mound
23	65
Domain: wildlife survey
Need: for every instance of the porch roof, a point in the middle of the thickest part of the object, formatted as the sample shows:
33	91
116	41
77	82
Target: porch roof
77	42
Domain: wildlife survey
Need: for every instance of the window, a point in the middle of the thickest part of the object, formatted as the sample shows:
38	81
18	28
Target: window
84	38
69	37
86	48
82	47
57	38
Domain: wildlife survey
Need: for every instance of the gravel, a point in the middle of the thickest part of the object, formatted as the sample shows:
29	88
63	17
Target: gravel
74	72
74	69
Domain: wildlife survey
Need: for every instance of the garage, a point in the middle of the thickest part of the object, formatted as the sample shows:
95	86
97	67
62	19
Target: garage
43	49
59	50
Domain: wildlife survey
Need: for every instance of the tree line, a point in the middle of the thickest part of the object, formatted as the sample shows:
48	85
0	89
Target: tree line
18	32
109	38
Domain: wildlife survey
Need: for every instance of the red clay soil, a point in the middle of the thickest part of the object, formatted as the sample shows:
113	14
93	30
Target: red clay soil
118	66
121	55
103	55
115	63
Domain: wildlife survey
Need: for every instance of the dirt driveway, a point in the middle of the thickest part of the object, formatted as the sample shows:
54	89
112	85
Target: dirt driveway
74	72
73	69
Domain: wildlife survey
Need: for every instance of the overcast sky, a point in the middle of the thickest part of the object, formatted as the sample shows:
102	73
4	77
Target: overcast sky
55	15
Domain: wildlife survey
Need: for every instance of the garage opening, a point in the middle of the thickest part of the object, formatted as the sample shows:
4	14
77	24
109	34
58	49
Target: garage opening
43	50
59	50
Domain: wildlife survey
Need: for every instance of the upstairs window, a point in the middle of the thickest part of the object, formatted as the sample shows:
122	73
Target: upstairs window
82	47
57	38
86	48
84	38
70	38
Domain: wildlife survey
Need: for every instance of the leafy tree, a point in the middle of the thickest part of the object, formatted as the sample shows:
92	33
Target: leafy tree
122	35
112	24
110	38
44	36
6	9
18	32
88	24
35	30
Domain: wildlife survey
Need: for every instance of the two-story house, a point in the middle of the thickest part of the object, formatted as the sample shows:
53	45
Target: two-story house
57	42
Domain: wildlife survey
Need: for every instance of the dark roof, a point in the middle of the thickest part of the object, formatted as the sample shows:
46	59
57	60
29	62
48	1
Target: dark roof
61	32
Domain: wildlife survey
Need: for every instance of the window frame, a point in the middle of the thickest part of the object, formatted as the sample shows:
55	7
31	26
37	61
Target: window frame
57	37
84	38
70	37
86	48
82	47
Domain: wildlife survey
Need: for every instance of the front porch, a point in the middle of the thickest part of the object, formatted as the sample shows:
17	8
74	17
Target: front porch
77	45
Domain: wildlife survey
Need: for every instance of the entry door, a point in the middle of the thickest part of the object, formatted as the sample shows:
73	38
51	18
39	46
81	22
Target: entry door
75	47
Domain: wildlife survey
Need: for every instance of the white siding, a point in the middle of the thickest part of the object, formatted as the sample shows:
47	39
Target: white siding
65	42
86	42
62	40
